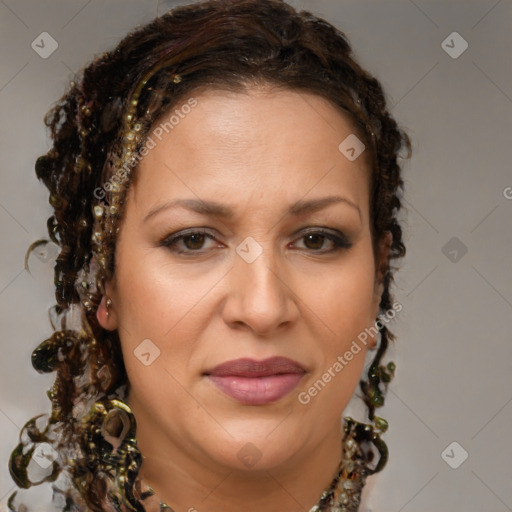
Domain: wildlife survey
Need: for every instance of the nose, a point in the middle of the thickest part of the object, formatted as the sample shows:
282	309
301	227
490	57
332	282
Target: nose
260	295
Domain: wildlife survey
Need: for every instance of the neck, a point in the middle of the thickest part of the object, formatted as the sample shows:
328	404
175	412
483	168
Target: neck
191	485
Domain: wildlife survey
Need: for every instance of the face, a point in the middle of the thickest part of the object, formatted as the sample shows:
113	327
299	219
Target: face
246	236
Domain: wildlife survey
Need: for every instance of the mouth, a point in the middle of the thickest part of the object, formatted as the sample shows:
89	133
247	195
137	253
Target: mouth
253	382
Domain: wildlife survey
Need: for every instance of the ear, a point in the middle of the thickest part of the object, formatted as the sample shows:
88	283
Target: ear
381	267
106	315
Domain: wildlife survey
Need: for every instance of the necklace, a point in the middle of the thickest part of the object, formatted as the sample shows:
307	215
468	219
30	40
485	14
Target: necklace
342	495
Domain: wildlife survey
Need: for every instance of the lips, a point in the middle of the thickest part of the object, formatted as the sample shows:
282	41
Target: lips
251	368
254	382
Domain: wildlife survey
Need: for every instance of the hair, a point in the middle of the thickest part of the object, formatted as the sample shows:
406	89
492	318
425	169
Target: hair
116	100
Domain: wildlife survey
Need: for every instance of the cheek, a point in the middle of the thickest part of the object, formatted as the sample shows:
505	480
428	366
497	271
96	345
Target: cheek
344	296
342	303
152	296
164	304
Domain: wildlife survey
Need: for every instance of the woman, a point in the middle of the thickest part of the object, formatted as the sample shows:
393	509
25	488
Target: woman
225	185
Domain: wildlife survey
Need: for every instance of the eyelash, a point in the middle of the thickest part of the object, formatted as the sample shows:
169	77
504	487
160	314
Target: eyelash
340	242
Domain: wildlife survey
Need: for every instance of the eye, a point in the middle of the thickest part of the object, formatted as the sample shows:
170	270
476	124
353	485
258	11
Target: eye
315	238
191	241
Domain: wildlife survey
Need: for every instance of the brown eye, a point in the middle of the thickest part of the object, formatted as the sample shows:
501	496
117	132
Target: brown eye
315	240
191	242
195	241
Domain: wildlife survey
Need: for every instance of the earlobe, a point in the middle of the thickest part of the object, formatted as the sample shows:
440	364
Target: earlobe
105	313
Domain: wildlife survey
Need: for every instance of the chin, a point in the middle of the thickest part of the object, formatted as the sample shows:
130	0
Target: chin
257	446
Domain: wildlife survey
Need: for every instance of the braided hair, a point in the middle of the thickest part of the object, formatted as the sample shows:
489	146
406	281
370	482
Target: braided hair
98	128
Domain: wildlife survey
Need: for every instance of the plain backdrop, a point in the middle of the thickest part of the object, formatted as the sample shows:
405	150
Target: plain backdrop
454	348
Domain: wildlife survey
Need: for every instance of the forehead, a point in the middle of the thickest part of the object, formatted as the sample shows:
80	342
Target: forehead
277	143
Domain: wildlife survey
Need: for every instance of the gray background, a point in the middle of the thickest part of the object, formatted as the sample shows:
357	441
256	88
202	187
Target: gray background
454	346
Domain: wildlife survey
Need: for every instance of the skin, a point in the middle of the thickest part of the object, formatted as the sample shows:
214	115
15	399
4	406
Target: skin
256	152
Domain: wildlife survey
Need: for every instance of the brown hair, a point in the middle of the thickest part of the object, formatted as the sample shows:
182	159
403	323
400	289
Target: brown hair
220	43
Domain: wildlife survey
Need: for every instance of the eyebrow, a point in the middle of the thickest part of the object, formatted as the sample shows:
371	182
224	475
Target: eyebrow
300	207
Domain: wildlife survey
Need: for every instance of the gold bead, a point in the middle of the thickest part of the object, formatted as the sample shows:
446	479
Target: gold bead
55	201
85	110
177	79
98	212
